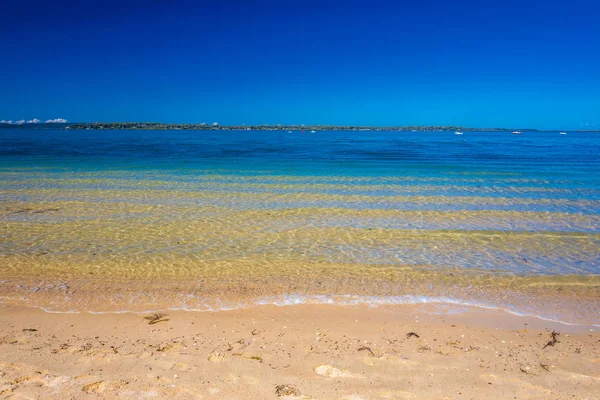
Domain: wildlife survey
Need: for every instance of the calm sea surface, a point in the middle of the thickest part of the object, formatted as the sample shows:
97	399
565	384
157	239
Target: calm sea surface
143	220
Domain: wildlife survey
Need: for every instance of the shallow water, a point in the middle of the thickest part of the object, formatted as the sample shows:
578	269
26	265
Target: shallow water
126	220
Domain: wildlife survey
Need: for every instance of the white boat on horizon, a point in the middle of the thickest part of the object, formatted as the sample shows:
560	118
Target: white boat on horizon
458	133
563	133
313	132
516	133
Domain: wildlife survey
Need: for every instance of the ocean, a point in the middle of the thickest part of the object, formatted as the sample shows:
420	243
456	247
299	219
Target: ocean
111	221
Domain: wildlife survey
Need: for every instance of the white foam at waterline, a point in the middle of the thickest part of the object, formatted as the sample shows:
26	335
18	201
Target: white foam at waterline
335	300
374	301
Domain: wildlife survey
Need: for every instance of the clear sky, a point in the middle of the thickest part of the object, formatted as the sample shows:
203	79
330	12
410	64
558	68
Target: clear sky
482	63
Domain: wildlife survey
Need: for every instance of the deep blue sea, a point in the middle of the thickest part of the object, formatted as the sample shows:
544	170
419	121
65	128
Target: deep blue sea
572	158
332	213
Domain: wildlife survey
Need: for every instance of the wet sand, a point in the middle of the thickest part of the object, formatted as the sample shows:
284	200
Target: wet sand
296	352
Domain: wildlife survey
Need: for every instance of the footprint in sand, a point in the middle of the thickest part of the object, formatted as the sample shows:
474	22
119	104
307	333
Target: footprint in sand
7	389
138	394
390	360
217	356
180	392
169	347
19	376
397	395
173	365
11	339
95	388
102	386
289	392
333	372
523	388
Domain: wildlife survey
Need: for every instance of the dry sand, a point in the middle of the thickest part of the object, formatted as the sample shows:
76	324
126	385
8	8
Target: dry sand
295	352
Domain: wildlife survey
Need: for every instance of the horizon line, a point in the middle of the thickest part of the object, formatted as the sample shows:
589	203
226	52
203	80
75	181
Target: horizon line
216	126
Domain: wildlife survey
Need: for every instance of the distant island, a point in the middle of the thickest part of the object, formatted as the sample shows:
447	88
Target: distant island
217	127
265	127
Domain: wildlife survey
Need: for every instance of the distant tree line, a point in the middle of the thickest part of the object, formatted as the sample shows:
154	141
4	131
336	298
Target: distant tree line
215	127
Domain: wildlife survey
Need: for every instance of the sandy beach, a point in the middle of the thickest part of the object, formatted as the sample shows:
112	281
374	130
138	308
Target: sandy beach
296	352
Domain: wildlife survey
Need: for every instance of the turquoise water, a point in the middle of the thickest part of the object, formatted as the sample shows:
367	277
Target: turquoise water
569	160
299	214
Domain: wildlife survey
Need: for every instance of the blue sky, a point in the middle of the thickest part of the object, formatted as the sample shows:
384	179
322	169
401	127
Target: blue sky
477	63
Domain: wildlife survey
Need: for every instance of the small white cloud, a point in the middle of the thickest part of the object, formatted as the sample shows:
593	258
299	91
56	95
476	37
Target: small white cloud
21	122
56	121
33	121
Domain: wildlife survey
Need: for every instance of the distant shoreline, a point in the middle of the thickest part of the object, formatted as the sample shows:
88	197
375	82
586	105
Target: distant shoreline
160	126
213	127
